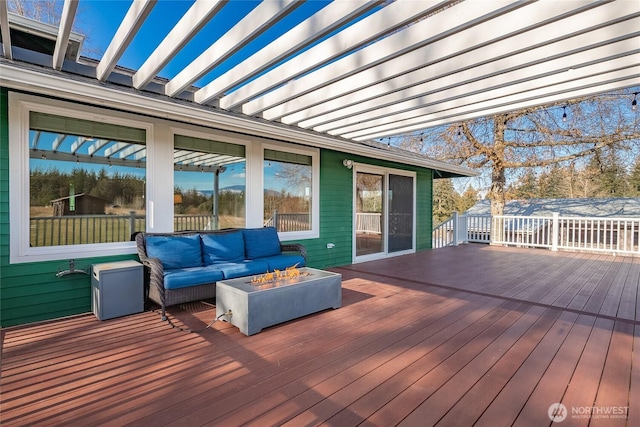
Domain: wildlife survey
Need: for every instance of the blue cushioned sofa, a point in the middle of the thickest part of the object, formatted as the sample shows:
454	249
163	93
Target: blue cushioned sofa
185	266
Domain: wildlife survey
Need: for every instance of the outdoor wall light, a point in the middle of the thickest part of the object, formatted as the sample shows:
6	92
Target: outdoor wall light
634	103
347	163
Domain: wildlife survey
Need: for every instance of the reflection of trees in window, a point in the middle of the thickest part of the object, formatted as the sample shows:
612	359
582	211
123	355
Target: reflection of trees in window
287	192
86	181
369	193
209	182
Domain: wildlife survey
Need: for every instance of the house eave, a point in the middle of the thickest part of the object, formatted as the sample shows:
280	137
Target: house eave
27	77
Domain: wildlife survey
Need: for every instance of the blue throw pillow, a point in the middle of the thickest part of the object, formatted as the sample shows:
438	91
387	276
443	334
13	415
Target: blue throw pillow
261	242
175	251
224	247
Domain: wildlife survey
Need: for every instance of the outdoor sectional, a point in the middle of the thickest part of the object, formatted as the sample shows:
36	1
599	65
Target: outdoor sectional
185	266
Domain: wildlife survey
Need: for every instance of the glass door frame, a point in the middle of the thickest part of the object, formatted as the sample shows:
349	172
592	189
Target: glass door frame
385	172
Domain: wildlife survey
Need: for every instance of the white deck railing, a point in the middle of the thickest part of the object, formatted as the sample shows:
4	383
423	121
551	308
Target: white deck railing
369	223
587	234
462	229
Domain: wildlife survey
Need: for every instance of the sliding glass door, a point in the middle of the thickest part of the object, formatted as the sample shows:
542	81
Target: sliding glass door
369	213
384	213
400	196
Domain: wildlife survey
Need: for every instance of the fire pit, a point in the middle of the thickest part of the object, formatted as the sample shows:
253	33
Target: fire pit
266	301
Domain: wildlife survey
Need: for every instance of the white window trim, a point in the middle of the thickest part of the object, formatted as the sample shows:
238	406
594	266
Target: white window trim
314	153
385	172
20	105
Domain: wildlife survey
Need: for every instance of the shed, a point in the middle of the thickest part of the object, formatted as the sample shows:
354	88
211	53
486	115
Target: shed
80	204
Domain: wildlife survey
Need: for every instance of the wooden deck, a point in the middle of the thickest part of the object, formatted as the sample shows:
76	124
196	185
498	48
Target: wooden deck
454	337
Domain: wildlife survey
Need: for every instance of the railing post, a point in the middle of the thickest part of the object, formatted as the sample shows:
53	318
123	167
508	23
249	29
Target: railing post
455	229
132	222
464	224
555	229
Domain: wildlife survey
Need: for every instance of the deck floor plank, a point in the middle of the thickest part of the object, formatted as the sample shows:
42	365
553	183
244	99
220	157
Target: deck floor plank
583	386
542	362
456	336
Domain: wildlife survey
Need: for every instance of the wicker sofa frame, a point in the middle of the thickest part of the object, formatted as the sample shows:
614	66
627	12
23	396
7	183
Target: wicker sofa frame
154	272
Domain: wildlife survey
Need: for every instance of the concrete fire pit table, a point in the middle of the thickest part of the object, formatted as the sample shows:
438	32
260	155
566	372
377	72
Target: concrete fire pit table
257	306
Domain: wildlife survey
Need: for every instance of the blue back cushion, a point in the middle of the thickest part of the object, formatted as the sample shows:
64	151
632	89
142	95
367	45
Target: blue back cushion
175	251
261	242
225	247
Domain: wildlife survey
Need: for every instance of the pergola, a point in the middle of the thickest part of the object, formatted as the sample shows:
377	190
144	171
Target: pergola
367	70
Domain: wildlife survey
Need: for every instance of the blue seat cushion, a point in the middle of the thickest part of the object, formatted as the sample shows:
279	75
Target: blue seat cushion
225	247
261	242
194	276
282	262
231	270
175	251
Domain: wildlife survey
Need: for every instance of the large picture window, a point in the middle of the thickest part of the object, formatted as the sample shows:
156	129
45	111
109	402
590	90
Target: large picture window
83	180
209	184
288	199
86	181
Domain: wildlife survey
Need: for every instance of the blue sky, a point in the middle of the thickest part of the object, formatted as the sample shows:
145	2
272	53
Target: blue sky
99	19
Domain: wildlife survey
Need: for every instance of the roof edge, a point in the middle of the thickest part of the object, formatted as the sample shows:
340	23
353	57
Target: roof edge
29	78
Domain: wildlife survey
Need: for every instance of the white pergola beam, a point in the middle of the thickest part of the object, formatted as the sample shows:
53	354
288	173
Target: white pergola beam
4	30
98	144
131	23
130	150
64	32
471	81
601	87
621	68
378	24
329	18
78	143
116	148
56	142
490	40
261	18
449	22
187	27
568	90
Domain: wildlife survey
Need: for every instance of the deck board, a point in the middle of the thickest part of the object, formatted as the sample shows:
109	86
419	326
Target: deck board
457	336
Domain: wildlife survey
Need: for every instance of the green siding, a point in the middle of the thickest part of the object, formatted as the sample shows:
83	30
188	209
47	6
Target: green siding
31	292
336	209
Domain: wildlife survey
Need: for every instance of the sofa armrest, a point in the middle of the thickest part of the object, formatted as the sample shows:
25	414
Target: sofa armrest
294	247
152	265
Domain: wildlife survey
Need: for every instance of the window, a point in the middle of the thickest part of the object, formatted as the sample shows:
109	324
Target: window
290	191
80	180
86	181
209	184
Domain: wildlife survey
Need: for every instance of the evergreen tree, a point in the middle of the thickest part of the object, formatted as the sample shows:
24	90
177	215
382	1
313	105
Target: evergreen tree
634	180
467	199
444	200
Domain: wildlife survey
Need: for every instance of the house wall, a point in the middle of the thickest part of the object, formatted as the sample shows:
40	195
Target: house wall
31	292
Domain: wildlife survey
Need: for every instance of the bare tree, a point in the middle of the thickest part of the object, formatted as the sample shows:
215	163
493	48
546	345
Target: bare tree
47	11
50	12
534	137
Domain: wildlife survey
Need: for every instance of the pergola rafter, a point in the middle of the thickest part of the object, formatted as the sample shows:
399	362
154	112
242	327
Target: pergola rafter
366	70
